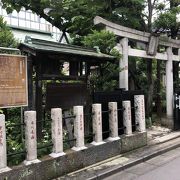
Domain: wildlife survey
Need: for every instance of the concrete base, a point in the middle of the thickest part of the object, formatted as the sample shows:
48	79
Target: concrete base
78	148
128	135
55	155
113	138
5	169
97	143
167	122
31	162
141	131
51	168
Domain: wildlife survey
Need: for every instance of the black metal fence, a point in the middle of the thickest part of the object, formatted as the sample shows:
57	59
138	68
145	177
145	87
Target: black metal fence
118	96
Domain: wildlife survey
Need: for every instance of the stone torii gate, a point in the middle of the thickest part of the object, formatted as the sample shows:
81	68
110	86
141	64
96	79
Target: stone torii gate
149	45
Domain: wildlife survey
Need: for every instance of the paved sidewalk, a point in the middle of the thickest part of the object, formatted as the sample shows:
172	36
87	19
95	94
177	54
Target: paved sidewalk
162	167
160	141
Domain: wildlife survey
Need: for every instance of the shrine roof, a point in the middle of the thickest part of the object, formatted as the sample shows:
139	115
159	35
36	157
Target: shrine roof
34	46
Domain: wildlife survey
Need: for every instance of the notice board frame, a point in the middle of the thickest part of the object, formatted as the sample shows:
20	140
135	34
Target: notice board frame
25	103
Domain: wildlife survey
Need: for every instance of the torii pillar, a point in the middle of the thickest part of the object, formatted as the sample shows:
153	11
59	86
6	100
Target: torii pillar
169	88
123	65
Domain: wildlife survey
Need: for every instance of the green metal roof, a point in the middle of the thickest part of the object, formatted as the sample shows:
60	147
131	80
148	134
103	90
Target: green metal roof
34	46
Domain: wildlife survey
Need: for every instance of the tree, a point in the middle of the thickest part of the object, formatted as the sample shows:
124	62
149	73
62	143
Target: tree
77	16
104	79
167	20
6	36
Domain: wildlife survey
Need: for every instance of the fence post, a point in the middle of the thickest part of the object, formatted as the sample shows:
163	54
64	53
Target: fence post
3	153
79	128
30	137
127	117
57	132
140	112
97	124
113	121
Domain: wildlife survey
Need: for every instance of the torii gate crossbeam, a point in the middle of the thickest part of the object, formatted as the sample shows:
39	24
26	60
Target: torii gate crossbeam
127	34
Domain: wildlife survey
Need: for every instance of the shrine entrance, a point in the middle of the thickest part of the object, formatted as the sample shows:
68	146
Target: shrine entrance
58	76
136	43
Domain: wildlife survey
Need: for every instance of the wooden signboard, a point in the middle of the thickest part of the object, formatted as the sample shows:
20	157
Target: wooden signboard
66	95
13	81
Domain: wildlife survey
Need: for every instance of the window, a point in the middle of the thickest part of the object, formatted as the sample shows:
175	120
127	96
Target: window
32	17
14	21
22	23
28	24
28	16
34	25
22	14
42	27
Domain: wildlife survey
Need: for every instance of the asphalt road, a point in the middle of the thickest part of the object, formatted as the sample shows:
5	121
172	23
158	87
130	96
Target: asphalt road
163	167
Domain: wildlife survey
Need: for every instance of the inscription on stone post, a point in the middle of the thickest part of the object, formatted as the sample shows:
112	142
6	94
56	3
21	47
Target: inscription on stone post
57	132
140	112
3	153
127	121
97	124
79	128
113	121
30	137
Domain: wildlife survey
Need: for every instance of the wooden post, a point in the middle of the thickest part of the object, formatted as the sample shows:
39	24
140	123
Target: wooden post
39	97
30	83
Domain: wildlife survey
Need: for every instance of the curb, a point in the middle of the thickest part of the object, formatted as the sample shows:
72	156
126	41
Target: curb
119	168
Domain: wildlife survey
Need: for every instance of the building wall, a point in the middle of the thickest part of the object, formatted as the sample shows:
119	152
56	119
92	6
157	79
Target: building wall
29	20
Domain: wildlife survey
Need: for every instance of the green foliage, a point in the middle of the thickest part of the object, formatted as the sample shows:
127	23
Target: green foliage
105	78
6	37
15	142
107	81
103	40
167	19
76	16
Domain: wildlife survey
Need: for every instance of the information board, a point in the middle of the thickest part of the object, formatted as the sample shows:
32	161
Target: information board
13	81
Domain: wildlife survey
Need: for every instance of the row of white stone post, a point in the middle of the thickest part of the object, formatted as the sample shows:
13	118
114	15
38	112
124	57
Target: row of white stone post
57	129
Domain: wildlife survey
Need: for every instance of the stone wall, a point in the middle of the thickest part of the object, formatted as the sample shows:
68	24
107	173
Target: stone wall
50	167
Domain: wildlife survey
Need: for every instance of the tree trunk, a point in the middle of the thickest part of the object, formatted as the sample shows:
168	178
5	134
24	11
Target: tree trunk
150	88
158	96
176	74
132	67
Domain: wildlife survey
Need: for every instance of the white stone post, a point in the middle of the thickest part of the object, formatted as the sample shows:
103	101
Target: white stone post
97	124
169	85
3	153
79	128
127	117
30	137
140	112
113	121
123	65
57	132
